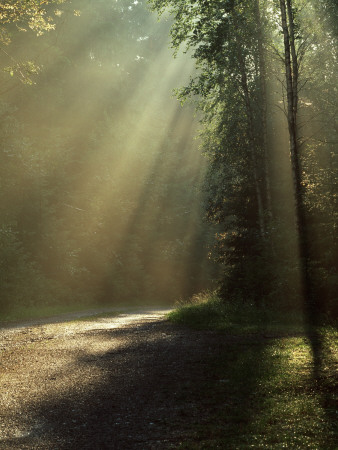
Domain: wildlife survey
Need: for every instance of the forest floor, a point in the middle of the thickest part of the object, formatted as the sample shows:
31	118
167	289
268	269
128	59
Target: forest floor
137	381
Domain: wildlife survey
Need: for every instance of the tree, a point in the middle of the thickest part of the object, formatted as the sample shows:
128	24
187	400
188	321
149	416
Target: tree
226	40
233	43
29	16
294	51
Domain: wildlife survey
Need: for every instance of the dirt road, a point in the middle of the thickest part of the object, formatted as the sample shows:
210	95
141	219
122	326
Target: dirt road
101	383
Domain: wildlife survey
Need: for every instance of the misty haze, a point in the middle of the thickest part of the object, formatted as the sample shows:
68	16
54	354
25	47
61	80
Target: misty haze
168	224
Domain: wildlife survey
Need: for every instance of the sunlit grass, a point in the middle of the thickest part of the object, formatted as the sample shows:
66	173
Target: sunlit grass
270	392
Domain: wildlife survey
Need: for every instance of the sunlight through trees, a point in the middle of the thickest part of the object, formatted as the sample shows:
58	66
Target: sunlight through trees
103	185
100	171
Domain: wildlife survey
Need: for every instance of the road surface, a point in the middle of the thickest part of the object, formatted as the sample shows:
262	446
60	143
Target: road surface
120	382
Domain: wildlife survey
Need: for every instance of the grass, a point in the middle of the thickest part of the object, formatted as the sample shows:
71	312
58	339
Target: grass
39	312
45	311
208	311
269	388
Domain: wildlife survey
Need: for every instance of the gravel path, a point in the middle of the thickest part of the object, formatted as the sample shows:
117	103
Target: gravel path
103	383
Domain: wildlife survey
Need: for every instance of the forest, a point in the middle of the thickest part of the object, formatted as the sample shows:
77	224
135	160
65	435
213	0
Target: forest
113	192
168	224
100	173
266	88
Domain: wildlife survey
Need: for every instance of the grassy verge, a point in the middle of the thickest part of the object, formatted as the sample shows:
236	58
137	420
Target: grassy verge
269	387
208	312
39	312
46	311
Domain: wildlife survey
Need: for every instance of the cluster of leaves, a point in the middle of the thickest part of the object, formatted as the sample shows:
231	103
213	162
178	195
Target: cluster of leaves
30	14
30	17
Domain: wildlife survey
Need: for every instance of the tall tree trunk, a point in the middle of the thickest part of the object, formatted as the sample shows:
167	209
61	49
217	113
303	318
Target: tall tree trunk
253	153
262	78
294	58
291	72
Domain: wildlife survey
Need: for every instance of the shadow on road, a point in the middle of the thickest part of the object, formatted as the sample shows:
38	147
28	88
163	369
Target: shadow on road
154	391
159	386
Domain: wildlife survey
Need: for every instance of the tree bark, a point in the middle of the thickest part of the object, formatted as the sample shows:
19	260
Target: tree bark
259	196
291	73
294	58
262	78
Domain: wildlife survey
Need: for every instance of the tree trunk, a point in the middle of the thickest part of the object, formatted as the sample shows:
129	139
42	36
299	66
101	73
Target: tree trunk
262	78
294	58
291	73
259	196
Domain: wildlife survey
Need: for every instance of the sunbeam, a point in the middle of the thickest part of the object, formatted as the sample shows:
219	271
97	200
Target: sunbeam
110	202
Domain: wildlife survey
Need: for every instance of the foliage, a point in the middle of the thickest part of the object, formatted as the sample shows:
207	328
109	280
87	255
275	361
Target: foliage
209	311
99	188
98	198
30	16
240	91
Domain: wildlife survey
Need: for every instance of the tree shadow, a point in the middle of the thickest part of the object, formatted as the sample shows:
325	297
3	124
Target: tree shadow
324	367
159	385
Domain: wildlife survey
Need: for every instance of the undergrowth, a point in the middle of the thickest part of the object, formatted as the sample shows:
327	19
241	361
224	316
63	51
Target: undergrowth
208	311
